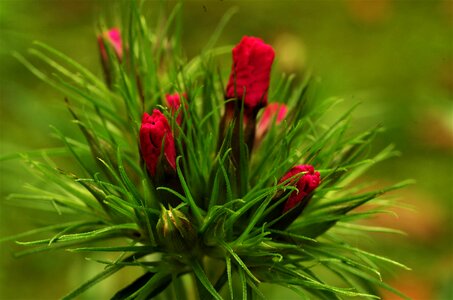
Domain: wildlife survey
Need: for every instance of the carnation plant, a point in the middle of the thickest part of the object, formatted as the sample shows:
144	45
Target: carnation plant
210	184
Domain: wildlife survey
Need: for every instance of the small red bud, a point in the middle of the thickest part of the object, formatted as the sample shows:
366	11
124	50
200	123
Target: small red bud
174	103
273	110
113	36
155	132
306	184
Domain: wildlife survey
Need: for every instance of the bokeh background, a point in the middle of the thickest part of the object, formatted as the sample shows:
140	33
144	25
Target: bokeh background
393	56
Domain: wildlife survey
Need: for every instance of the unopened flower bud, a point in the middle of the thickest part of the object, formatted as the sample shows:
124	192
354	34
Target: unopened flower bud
305	184
306	180
250	74
175	231
113	37
248	85
174	103
155	134
274	111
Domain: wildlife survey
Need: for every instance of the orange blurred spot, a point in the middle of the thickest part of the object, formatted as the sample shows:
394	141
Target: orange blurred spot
415	287
371	12
424	223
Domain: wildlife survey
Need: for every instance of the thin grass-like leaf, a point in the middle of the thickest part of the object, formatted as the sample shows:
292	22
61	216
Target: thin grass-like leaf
201	276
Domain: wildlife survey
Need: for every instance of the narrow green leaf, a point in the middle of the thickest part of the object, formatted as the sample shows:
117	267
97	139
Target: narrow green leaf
243	280
136	249
132	287
73	63
42	229
230	277
99	277
195	209
203	279
238	260
220	26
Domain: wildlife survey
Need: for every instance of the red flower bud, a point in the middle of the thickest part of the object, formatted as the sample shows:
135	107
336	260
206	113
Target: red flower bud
155	132
113	36
174	102
305	184
271	111
250	74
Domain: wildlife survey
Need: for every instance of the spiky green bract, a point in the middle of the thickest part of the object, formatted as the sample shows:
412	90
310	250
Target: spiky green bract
224	201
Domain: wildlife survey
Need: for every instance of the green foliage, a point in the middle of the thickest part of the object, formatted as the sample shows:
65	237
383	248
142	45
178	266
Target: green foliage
107	193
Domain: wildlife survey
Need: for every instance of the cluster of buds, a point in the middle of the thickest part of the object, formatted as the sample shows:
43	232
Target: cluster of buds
246	95
249	84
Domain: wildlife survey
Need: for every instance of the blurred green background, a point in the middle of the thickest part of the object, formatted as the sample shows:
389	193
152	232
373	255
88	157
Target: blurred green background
395	57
